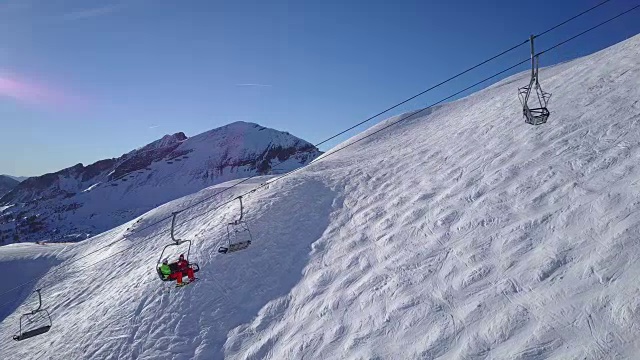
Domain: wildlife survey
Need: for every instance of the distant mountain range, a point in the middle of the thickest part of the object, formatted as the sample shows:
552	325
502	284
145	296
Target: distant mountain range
80	201
7	183
17	178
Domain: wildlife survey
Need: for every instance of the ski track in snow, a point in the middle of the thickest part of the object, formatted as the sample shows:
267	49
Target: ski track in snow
459	234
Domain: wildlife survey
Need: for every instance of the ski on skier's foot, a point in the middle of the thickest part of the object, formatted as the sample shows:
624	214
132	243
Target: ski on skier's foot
185	283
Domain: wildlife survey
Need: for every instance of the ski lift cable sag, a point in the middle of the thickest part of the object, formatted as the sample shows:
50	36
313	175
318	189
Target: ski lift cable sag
350	144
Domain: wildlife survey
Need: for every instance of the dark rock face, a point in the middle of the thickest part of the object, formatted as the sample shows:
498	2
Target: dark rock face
97	168
142	158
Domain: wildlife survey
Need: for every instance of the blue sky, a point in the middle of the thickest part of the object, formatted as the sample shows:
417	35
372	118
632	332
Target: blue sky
86	80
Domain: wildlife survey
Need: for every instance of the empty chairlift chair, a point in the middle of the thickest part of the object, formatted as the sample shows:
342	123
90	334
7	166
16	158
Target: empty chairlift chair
534	100
34	323
238	234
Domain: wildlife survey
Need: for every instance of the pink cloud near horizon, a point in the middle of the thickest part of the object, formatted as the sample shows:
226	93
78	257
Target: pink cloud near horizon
31	93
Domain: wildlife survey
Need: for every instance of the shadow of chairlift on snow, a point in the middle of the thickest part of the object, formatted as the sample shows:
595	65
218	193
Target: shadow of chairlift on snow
34	323
238	234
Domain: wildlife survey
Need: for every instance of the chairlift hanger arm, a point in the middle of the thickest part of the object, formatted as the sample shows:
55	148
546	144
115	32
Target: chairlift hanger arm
173	225
237	221
39	302
176	244
534	72
538	114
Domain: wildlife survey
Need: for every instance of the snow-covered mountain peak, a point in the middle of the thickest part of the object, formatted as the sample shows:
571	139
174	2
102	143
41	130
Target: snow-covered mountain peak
240	125
247	132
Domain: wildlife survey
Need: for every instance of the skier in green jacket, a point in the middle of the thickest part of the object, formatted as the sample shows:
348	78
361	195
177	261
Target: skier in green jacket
165	269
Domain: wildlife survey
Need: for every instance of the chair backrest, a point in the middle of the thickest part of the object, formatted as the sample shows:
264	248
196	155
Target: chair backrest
173	266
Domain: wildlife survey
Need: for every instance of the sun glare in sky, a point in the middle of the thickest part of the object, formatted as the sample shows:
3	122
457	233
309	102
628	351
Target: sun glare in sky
33	93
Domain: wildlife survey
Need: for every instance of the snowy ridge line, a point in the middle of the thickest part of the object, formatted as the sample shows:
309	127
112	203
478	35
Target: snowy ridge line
345	146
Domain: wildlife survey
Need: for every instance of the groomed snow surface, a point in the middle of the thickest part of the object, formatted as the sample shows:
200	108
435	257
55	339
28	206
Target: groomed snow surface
460	234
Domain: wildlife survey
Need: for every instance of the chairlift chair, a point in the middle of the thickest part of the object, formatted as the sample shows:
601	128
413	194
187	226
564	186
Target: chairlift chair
538	114
238	234
176	242
26	320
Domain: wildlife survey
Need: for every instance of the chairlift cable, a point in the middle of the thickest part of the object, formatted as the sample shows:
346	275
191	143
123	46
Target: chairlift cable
573	18
588	30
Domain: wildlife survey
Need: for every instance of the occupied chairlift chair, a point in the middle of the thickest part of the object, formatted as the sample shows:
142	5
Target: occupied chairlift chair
30	318
238	234
176	242
539	114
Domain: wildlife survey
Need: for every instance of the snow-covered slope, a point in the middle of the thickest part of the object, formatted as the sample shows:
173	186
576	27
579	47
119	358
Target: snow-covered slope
81	201
477	237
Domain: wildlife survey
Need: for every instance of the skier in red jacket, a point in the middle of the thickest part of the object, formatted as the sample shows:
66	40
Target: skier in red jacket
183	267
